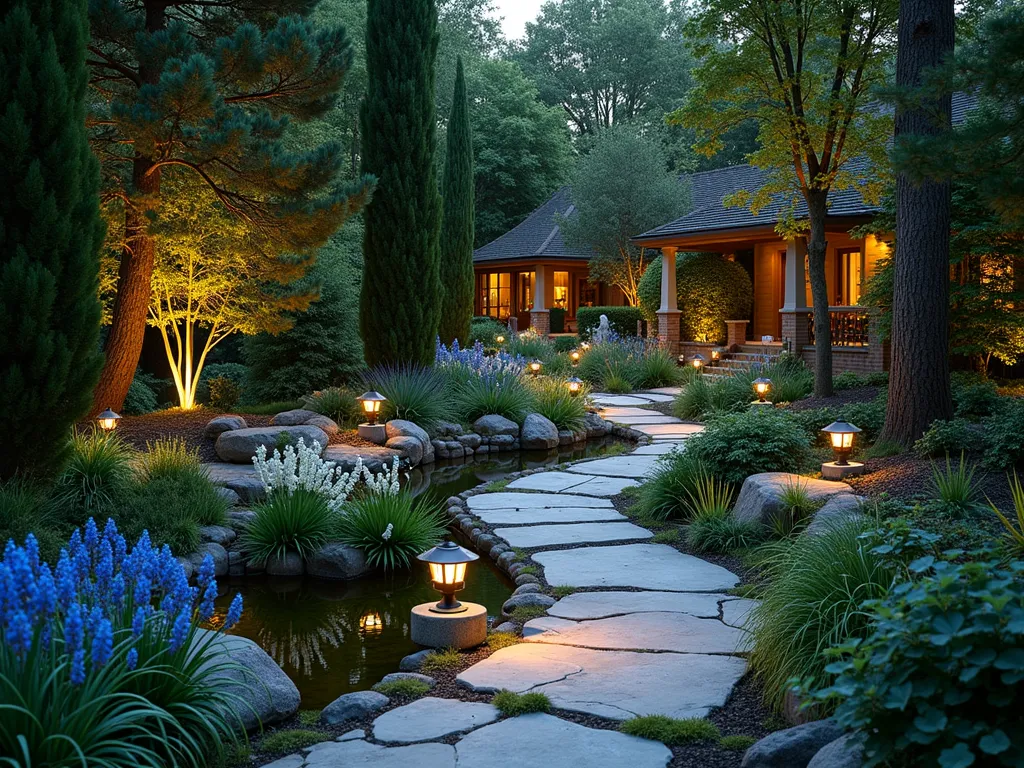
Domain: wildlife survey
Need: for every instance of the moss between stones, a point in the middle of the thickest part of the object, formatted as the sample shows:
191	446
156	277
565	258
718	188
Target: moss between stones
309	717
515	704
523	613
671	731
445	659
291	740
407	689
737	743
498	640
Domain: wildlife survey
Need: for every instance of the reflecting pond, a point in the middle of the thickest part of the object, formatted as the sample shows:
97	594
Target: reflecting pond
335	637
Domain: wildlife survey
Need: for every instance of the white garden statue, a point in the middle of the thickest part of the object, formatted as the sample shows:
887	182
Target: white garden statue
603	331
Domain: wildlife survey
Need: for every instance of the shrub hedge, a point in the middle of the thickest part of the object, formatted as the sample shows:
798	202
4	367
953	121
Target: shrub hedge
622	320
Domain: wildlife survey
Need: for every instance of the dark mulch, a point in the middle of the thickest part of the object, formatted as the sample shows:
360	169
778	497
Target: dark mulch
840	398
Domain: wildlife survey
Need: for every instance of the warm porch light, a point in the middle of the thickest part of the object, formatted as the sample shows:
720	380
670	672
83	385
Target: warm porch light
762	386
575	357
499	339
447	563
107	420
371	622
535	367
371	405
697	361
575	385
841	434
716	354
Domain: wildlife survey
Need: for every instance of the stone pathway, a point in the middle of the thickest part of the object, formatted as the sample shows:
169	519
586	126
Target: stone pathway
659	636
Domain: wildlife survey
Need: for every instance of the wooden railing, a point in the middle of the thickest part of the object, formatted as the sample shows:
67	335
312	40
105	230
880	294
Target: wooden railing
849	326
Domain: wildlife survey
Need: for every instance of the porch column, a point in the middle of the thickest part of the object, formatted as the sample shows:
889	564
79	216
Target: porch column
540	319
795	312
668	314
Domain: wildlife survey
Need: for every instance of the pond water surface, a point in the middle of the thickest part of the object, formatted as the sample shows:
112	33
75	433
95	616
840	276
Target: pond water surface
335	637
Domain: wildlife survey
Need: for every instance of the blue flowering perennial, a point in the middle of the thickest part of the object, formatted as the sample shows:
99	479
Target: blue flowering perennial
102	661
476	361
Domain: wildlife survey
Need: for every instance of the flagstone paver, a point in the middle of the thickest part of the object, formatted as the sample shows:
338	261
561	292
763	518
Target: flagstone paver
543	741
576	533
677	632
620	414
658	449
356	754
599	398
600	605
535	515
677	431
634	421
554	481
617	466
598	485
503	500
613	684
672	391
736	612
644	566
431	718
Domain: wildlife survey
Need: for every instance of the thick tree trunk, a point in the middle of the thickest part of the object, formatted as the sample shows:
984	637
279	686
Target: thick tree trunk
919	390
135	274
817	247
131	306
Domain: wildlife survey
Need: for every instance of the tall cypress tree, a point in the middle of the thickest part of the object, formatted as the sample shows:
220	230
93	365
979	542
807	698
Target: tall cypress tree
401	296
50	232
457	226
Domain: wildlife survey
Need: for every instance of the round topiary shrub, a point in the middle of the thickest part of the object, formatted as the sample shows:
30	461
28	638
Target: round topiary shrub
710	290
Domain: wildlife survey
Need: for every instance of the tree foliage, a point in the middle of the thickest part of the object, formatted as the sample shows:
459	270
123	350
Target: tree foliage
608	61
214	278
401	294
803	73
620	189
209	89
50	233
457	221
322	348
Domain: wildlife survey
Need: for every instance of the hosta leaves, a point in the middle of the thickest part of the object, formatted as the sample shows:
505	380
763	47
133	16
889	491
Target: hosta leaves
959	756
994	743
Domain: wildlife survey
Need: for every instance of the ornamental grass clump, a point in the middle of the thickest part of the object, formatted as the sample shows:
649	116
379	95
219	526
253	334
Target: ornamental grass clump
102	661
391	530
299	522
514	704
504	394
816	587
414	393
939	678
955	486
553	401
668	494
1014	528
98	472
337	403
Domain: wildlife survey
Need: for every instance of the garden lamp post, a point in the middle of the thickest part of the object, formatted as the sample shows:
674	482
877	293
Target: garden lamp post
762	387
371	430
585	346
535	366
575	357
371	405
575	385
447	563
499	339
716	354
697	361
841	434
107	420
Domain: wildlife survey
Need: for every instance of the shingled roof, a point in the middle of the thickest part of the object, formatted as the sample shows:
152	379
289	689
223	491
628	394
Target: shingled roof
538	236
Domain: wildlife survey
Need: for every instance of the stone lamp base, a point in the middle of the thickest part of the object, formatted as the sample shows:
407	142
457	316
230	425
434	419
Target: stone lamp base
833	471
758	404
449	630
374	433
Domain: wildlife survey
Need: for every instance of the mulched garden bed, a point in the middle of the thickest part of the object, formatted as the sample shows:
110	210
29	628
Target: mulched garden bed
837	400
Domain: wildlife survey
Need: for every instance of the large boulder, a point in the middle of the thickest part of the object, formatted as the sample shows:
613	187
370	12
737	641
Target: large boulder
353	706
293	418
843	506
761	494
538	433
240	668
328	425
596	426
841	753
223	424
409	448
495	425
217	552
218	534
239	445
336	561
792	747
289	564
402	428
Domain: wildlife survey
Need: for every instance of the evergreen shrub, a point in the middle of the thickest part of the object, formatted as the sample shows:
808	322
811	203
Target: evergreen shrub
412	526
734	446
622	320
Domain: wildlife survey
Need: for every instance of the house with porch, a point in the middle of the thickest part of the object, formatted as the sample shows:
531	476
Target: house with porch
781	317
530	270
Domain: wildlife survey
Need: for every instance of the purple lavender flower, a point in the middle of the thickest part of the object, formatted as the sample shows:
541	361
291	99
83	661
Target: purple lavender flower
234	612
